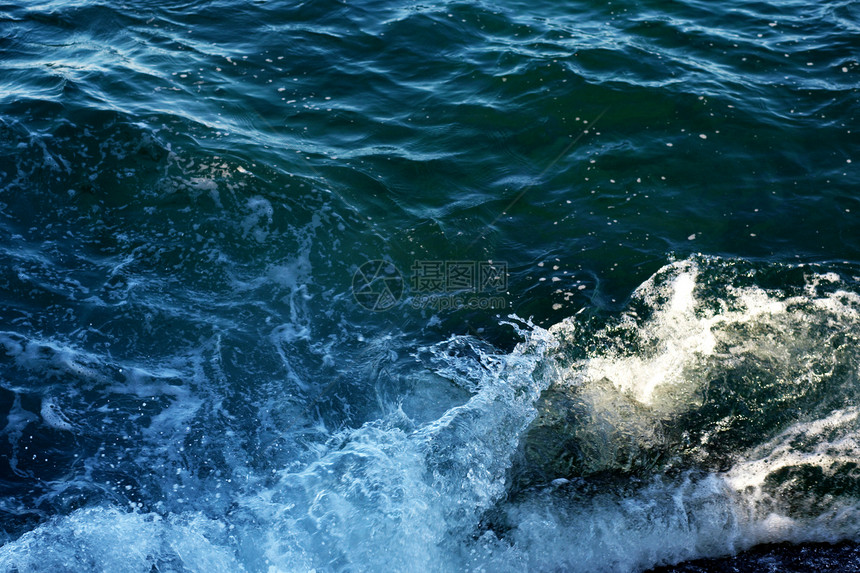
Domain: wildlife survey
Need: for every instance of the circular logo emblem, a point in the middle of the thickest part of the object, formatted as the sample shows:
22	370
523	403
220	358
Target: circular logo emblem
377	285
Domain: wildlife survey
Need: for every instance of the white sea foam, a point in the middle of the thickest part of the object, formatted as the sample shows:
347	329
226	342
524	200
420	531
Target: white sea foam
417	490
676	334
673	355
109	539
53	416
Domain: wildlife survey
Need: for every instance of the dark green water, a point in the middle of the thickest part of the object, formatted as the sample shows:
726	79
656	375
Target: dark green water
365	286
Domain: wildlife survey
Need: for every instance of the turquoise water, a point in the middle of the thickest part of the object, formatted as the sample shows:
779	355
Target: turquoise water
366	286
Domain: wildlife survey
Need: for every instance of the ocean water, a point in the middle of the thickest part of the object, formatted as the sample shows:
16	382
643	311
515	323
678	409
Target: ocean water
429	286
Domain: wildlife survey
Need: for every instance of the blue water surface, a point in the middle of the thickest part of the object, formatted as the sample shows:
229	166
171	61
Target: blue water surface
446	286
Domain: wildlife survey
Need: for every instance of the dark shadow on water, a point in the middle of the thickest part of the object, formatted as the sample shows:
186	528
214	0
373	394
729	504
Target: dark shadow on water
842	557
